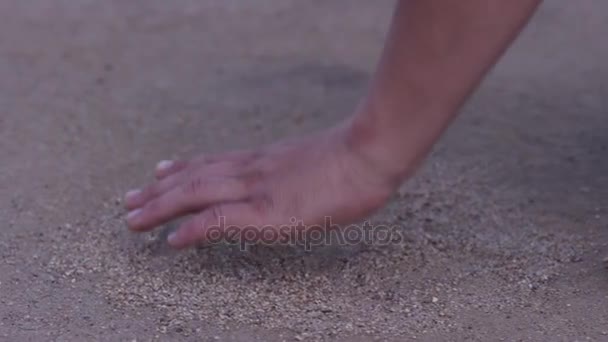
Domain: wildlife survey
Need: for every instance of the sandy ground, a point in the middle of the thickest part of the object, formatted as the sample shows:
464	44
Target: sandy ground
505	228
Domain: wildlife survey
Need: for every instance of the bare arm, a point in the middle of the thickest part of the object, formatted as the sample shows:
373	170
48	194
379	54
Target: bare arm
436	54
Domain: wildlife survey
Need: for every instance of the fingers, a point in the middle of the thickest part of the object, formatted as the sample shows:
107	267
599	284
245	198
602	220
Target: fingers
211	223
174	175
165	168
137	198
194	194
188	186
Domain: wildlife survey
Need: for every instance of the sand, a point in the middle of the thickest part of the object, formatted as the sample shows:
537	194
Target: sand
503	231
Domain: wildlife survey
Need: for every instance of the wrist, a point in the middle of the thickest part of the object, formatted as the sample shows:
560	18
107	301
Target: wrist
378	148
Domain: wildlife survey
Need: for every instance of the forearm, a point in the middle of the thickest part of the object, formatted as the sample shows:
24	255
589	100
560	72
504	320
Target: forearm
437	52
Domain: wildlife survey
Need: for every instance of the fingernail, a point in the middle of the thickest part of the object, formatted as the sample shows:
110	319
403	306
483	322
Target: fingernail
172	238
132	193
133	213
164	165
